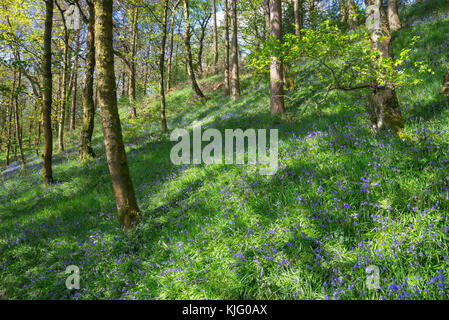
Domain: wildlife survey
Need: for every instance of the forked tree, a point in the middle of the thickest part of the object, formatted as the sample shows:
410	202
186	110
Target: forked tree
227	70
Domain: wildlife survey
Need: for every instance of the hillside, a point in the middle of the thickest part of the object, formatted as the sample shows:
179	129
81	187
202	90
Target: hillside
342	200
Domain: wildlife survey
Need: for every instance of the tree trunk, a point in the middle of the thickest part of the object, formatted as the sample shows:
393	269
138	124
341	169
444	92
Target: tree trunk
75	84
276	69
65	84
189	63
123	79
298	8
39	129
393	17
235	85
128	211
203	26
214	13
132	71
227	71
170	50
445	90
266	10
17	119
343	11
162	65
384	107
9	124
352	14
86	151
58	101
47	93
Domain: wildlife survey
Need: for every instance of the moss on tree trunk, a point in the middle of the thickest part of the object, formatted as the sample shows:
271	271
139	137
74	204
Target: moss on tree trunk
128	211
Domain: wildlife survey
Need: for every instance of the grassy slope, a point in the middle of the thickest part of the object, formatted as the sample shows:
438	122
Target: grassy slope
342	200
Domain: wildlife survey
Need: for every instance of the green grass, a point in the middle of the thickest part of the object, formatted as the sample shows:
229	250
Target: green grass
341	200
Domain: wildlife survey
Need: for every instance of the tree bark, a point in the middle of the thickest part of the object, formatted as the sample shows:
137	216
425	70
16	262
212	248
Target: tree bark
86	150
203	25
16	117
227	71
214	14
189	62
235	85
75	84
266	10
128	211
276	69
162	65
384	106
393	16
132	71
9	123
47	92
352	14
343	11
65	83
170	49
298	8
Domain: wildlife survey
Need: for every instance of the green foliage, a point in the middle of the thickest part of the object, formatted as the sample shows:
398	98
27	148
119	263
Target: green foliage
345	59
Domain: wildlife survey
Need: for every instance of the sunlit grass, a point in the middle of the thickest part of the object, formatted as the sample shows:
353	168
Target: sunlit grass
342	200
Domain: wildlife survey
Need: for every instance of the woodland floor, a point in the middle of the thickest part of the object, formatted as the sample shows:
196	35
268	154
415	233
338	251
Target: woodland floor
342	200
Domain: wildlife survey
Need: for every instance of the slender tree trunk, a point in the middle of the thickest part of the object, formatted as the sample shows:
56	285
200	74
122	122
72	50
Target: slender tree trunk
162	65
47	92
266	10
214	13
189	63
393	16
235	85
384	107
15	151
227	71
75	85
276	69
65	80
9	124
201	44
145	78
132	71
343	11
58	101
86	150
128	211
445	90
17	118
30	128
39	129
298	8
123	79
65	83
352	14
170	49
